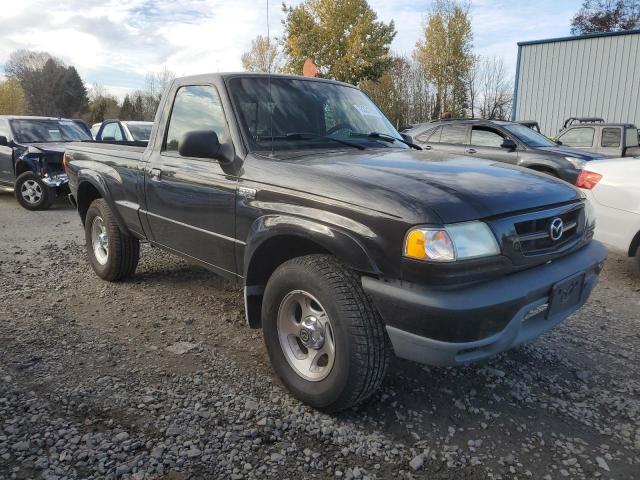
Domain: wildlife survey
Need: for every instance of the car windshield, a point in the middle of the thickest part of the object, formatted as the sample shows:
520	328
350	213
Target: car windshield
271	110
528	136
139	132
36	131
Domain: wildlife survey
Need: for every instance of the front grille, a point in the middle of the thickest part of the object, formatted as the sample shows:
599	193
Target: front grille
534	237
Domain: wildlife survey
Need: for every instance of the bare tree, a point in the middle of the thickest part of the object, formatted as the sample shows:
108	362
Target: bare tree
494	89
263	56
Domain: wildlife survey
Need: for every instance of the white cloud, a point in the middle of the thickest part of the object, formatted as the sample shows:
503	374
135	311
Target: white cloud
116	42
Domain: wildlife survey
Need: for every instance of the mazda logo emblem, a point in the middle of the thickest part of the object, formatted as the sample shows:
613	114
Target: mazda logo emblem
556	228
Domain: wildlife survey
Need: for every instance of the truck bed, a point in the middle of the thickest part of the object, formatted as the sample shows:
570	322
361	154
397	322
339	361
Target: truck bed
131	150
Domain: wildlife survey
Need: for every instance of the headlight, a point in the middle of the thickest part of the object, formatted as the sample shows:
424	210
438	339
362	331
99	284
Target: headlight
460	241
576	162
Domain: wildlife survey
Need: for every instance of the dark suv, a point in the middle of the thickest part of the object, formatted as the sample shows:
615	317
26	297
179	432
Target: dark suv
507	142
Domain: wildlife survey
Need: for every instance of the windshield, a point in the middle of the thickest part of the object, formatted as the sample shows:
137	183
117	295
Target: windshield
528	136
271	109
37	131
139	132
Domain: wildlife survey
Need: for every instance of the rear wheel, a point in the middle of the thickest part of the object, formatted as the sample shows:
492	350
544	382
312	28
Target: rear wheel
325	339
113	254
32	193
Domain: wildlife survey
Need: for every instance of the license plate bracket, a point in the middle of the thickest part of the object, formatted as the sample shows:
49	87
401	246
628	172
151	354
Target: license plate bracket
565	294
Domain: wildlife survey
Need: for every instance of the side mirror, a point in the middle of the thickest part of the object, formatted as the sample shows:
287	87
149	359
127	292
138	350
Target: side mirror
509	144
3	141
203	144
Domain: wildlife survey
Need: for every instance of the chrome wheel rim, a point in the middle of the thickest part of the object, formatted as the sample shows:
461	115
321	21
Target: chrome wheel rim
31	192
306	336
100	240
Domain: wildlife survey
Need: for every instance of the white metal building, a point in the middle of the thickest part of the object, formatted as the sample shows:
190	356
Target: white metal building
584	76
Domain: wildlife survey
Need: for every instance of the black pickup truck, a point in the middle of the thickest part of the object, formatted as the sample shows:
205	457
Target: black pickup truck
350	245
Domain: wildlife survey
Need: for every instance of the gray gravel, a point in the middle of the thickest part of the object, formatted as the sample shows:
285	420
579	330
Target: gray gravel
158	377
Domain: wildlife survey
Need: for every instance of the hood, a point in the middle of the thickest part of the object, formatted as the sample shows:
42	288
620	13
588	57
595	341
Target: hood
54	147
423	187
572	152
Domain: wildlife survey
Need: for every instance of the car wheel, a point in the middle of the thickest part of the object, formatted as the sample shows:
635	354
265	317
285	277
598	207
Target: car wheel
32	193
325	339
113	254
636	259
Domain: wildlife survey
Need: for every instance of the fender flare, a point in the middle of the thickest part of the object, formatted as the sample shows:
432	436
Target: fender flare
335	240
31	165
87	176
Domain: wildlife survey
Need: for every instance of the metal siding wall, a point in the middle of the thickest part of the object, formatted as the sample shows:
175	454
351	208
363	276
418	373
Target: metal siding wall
591	77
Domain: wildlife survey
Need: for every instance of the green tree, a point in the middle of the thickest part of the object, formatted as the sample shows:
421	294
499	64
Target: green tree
49	86
11	98
342	37
606	16
126	111
445	55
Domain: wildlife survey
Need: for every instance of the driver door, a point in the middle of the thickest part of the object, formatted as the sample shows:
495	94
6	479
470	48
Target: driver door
6	156
486	143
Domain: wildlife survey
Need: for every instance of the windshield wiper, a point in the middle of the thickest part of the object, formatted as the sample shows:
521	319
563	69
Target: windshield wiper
386	138
309	135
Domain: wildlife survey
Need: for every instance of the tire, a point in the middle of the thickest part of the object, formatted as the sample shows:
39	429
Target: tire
361	348
32	193
636	260
113	254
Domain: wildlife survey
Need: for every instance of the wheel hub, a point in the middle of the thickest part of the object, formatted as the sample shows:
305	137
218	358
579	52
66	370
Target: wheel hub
311	333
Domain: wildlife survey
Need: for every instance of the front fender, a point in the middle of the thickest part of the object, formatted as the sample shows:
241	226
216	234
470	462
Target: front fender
25	163
343	244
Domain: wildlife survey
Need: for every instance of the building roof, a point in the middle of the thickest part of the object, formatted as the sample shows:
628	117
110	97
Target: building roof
580	37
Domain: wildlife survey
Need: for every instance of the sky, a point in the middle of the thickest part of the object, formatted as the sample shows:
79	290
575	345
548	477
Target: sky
116	42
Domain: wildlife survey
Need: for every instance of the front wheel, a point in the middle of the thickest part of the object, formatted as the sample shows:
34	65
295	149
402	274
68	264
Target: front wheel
32	193
325	339
113	254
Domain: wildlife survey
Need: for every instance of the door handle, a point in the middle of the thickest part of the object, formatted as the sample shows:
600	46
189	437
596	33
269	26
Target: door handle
155	174
470	150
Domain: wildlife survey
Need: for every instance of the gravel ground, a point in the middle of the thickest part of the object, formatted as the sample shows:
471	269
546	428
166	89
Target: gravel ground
158	377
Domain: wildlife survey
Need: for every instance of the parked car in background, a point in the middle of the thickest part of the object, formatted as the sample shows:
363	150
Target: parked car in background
31	150
503	141
350	244
124	131
607	139
532	124
613	187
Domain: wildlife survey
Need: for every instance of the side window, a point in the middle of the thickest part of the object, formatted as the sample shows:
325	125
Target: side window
578	137
112	130
196	107
432	135
454	134
4	129
611	137
631	137
486	137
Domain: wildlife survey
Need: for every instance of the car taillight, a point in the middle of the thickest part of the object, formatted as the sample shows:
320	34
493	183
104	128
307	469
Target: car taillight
588	180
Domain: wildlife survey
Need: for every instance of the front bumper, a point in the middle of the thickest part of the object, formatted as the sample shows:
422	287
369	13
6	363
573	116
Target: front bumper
444	326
